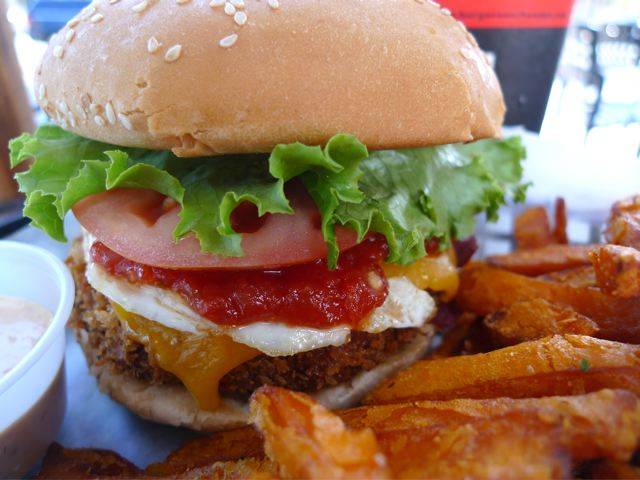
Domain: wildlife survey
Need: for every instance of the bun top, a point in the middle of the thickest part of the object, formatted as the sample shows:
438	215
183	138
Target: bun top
204	76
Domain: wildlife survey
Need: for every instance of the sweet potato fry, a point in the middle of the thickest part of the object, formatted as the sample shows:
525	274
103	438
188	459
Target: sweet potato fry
308	441
534	319
532	229
200	452
433	413
580	277
541	260
246	469
85	463
560	214
617	270
558	365
471	438
483	448
623	227
484	290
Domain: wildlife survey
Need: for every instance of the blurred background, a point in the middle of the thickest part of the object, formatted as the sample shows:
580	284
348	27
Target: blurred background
570	71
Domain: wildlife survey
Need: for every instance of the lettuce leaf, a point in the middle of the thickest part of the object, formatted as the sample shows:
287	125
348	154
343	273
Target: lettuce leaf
409	196
68	168
417	194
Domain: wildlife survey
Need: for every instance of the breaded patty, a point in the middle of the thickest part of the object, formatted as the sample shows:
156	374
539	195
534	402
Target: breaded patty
109	343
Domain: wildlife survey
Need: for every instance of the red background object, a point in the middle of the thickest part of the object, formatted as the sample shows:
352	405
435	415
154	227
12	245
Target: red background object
511	13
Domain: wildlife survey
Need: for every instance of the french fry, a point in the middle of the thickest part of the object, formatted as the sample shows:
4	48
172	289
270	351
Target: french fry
623	227
484	448
429	413
482	438
308	441
484	290
580	277
558	365
541	260
203	451
246	469
85	463
617	270
534	319
532	229
560	214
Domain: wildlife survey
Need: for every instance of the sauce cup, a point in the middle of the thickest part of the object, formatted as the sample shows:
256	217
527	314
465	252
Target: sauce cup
32	394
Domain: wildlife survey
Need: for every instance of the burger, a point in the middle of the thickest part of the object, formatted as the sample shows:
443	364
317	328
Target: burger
269	191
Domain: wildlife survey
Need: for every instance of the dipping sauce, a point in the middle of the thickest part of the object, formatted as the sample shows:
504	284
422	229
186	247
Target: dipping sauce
22	323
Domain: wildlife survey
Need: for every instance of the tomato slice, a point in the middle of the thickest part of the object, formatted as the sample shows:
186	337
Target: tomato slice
135	223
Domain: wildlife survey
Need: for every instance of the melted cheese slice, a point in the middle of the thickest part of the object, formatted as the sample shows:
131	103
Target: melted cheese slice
435	273
198	360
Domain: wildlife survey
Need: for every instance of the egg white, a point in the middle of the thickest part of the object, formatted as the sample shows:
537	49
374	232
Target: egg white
406	306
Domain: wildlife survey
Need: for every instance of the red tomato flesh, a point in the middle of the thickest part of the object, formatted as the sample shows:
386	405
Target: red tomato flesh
307	295
138	225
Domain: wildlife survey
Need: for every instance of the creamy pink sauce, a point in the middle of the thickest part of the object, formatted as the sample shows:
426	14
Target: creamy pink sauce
22	323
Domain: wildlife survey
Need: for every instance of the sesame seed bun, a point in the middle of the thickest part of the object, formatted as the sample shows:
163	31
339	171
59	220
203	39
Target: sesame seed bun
173	405
201	77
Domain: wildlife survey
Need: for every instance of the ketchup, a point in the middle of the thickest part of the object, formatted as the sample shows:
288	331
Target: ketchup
308	295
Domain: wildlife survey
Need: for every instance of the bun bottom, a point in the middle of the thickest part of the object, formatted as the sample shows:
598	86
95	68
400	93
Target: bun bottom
173	405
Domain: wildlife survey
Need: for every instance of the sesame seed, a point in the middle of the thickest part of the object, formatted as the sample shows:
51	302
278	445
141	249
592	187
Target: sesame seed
153	45
229	40
229	9
81	112
466	54
58	51
73	22
63	107
98	17
216	3
124	120
273	3
42	91
87	12
110	113
95	108
99	120
140	7
111	2
240	18
237	3
71	119
182	2
173	53
69	36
